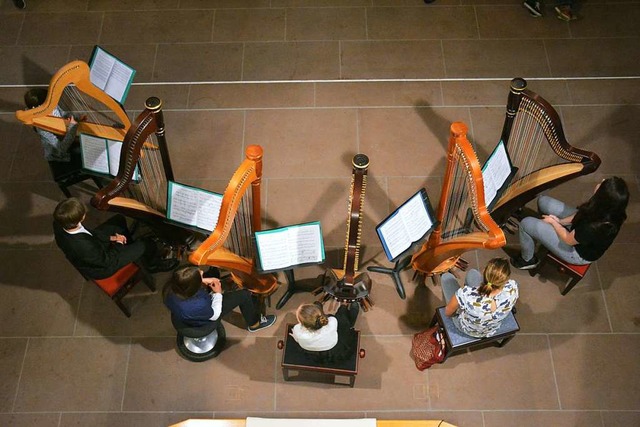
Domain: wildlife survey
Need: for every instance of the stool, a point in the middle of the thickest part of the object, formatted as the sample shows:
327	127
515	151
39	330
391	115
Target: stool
199	343
457	341
122	281
575	272
295	358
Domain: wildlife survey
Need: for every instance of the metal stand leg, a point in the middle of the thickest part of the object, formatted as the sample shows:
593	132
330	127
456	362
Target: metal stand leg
291	289
395	273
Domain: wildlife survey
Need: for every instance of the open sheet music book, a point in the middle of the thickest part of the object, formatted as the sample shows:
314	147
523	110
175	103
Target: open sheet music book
110	74
497	172
102	155
406	225
193	206
292	246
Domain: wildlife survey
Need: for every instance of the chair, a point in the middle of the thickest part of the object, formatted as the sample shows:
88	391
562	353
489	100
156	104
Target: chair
66	178
199	343
295	358
457	341
575	272
122	281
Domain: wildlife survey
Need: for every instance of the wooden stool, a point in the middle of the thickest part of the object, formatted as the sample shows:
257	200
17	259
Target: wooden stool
122	281
457	341
295	358
575	272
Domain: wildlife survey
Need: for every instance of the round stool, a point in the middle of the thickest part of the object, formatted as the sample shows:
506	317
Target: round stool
200	343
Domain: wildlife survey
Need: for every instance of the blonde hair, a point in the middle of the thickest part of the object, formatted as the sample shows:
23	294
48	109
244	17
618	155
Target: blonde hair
496	274
311	316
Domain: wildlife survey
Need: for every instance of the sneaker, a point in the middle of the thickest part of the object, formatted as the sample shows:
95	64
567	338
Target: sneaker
521	264
265	322
564	13
533	7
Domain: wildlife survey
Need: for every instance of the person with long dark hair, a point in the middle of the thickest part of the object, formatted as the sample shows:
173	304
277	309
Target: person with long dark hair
576	235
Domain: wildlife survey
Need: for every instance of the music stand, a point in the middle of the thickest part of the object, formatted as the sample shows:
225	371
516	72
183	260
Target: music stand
407	225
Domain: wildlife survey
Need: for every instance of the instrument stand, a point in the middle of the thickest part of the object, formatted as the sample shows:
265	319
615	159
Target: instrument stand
292	288
400	265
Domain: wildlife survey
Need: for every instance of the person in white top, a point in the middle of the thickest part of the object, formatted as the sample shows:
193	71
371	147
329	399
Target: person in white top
326	337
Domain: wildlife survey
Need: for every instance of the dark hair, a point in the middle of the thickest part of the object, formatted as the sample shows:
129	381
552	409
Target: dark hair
607	207
186	281
35	97
69	213
495	275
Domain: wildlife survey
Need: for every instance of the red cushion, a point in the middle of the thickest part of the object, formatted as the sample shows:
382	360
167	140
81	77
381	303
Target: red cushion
112	284
581	270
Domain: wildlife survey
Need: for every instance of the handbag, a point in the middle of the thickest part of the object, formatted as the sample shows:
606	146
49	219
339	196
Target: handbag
428	348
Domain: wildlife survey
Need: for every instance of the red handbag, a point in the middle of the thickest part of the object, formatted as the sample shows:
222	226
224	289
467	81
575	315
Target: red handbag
428	348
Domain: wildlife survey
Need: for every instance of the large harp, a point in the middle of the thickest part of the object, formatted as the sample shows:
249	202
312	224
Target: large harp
464	222
347	285
230	245
537	146
72	90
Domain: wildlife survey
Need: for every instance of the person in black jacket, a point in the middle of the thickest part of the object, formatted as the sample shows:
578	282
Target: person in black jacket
98	253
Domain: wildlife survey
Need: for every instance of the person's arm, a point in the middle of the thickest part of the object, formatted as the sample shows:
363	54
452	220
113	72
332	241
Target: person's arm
69	137
216	296
568	237
452	306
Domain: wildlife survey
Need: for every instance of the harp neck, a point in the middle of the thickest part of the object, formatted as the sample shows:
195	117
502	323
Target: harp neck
354	221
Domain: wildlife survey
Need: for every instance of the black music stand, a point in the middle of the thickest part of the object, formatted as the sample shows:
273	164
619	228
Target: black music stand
394	272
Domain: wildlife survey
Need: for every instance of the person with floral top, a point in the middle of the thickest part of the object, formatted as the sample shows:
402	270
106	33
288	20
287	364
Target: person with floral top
478	308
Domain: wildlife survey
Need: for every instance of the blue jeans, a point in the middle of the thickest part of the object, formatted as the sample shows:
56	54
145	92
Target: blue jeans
450	284
534	229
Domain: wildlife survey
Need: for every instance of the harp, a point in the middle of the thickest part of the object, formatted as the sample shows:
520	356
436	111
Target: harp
230	245
144	148
537	146
71	89
347	285
464	222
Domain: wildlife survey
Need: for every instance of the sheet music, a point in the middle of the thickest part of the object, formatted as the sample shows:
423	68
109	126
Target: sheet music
119	81
114	148
193	206
415	217
288	246
94	154
208	210
101	68
111	75
495	172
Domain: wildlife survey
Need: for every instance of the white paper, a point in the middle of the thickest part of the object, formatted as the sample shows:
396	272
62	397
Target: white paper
208	210
114	147
285	247
101	68
495	172
193	206
118	82
94	153
110	75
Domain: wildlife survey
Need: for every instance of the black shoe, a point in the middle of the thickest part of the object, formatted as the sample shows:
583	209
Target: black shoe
265	322
521	264
163	266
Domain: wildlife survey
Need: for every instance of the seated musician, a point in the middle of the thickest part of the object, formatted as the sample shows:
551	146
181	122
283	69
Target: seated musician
328	338
63	155
99	252
479	307
196	299
576	235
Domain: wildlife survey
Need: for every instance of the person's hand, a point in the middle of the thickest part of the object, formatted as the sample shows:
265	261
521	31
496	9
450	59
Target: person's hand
119	238
72	120
214	284
550	219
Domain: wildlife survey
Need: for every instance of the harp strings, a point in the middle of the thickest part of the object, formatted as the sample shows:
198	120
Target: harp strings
455	220
74	101
151	189
239	240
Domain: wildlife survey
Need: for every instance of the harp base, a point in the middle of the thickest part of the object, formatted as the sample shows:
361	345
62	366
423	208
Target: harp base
334	286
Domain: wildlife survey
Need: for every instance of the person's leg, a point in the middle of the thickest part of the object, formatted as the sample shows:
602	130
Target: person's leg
550	206
533	229
347	315
240	298
473	278
449	285
115	224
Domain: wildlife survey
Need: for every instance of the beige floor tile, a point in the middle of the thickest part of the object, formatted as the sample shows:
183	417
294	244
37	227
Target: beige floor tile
258	95
172	97
575	57
30	420
391	60
51	378
307	136
243	375
612	418
291	61
514	22
55	5
374	94
11	24
616	21
538	418
604	92
589	379
61	28
11	99
33	64
495	58
410	23
173	26
249	25
11	357
10	129
461	381
132	4
326	24
198	62
222	4
319	3
495	92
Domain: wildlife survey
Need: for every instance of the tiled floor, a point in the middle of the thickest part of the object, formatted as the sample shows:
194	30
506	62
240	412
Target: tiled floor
295	76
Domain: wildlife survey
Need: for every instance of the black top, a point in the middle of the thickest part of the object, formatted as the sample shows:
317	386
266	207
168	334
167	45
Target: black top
593	238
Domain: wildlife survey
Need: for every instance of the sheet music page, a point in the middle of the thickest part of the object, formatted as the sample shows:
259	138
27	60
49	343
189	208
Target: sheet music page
208	210
119	80
395	235
495	172
273	248
183	204
101	68
94	153
415	217
114	147
305	244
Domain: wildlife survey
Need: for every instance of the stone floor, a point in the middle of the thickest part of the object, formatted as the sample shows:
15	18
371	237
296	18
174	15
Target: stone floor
314	82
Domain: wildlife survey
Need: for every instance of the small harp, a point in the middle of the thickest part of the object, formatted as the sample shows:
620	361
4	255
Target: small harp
464	222
230	245
537	146
347	285
72	90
